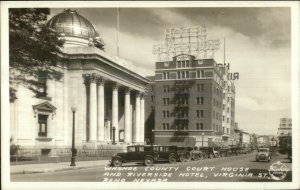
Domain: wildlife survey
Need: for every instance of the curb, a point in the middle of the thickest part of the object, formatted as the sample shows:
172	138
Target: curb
55	170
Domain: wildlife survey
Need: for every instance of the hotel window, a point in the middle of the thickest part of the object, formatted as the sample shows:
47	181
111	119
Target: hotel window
202	74
42	120
164	126
167	113
201	126
198	100
178	64
227	120
183	63
187	74
188	63
152	98
201	100
152	108
223	118
164	114
178	75
198	73
168	101
182	74
198	126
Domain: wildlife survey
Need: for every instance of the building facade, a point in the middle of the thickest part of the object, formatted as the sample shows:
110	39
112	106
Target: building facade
107	93
285	127
188	98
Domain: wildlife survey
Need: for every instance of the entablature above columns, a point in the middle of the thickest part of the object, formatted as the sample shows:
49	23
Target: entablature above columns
101	79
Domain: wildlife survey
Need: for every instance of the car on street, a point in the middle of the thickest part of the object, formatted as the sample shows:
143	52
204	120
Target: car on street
263	154
168	153
184	153
136	153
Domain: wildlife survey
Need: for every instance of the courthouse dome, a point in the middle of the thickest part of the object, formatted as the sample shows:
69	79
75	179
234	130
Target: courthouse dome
71	24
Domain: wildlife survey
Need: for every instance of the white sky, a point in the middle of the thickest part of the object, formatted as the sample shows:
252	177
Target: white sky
257	46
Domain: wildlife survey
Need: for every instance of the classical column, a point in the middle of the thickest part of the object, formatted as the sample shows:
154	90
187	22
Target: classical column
115	110
93	108
100	127
128	129
137	126
142	122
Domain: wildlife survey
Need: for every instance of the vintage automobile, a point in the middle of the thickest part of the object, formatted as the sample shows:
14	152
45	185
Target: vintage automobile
263	154
183	153
197	154
168	153
137	153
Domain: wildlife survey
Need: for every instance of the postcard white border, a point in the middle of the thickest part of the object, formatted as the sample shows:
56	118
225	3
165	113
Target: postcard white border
5	169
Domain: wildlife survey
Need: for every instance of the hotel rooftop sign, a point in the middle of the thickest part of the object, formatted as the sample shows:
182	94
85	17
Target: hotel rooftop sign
190	41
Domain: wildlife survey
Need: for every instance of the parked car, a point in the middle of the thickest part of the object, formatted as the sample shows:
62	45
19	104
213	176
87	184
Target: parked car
183	153
263	154
235	150
137	153
197	154
168	153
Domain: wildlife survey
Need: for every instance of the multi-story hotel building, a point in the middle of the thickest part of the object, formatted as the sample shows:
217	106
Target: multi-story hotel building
187	101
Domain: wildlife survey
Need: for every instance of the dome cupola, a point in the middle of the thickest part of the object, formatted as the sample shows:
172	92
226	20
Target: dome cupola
77	30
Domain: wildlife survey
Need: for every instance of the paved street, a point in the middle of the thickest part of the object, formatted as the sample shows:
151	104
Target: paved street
234	168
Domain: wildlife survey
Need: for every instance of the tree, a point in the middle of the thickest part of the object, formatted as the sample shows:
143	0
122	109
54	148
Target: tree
33	48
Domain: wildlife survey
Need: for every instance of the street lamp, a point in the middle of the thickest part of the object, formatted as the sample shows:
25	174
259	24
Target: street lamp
73	108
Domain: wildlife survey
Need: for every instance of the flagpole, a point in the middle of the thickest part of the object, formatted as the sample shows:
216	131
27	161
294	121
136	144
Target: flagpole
118	27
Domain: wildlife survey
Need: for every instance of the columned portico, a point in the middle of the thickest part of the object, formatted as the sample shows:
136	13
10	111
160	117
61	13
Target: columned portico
105	112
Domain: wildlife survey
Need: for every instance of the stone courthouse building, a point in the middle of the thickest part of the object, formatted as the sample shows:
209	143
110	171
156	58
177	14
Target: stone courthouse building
108	95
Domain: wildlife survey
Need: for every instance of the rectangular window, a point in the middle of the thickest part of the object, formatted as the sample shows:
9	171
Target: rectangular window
187	63
42	120
187	74
201	126
183	74
164	114
167	113
152	98
42	80
201	113
201	100
164	126
198	73
198	100
202	73
201	87
178	75
198	126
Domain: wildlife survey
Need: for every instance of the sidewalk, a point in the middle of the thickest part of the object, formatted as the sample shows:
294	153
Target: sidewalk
54	167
